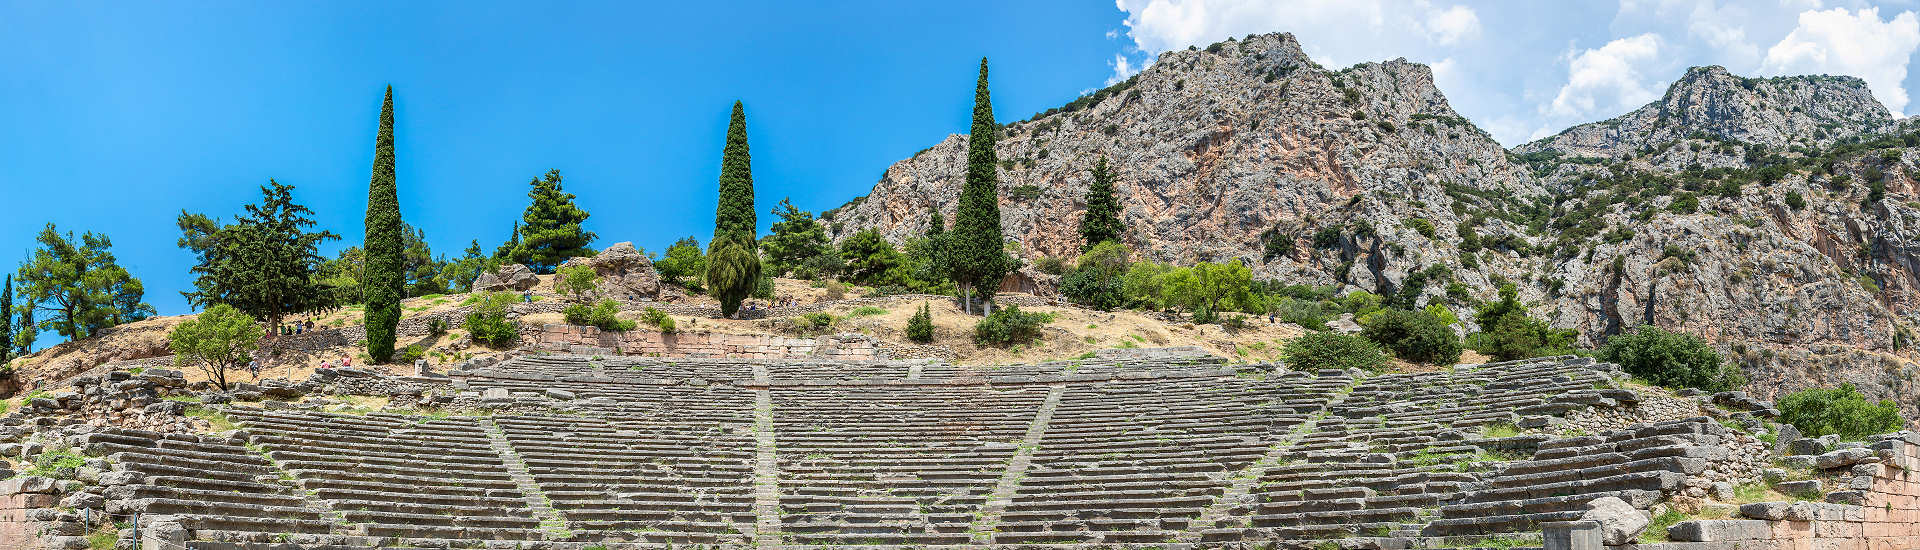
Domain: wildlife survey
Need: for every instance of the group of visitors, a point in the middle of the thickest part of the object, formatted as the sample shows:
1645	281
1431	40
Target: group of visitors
293	328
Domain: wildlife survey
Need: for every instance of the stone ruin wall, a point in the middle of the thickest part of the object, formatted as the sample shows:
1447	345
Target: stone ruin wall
587	340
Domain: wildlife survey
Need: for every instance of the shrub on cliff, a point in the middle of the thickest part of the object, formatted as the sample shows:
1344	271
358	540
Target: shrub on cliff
1839	411
1671	359
1416	336
1332	350
488	323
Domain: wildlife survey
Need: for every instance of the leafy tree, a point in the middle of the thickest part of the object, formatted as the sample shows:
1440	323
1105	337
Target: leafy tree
220	339
684	264
1009	326
1671	359
79	284
550	230
1841	411
25	332
461	273
577	281
1208	286
733	259
488	323
870	259
340	277
1508	333
1097	280
1332	350
939	266
796	239
920	269
976	251
920	326
264	264
1416	336
1101	222
604	315
424	273
384	281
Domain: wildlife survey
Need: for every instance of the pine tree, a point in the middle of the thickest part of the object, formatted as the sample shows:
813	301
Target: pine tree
733	260
976	250
1101	222
265	263
6	321
80	284
509	251
796	238
937	245
550	230
385	280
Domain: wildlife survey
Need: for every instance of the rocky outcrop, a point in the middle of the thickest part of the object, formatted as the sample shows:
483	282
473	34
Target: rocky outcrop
1710	105
1775	217
510	277
625	273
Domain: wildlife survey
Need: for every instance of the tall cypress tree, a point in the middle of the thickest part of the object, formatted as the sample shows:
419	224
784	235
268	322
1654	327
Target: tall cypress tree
976	249
1101	222
733	259
385	281
6	321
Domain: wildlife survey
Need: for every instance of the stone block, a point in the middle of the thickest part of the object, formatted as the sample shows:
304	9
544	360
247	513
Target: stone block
1718	530
1571	535
1618	521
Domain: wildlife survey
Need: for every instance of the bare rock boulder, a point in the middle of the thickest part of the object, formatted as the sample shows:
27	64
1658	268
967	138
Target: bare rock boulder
514	277
1619	522
625	273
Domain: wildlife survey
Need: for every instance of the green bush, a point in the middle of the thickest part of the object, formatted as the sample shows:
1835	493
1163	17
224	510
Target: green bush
604	315
1306	313
1009	326
1795	201
1671	359
1839	411
436	326
1507	333
1094	288
818	320
1332	350
658	319
488	323
1416	336
1419	225
412	353
920	327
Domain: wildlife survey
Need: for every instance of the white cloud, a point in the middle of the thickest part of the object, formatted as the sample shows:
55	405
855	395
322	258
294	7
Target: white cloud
1453	24
1122	68
1345	31
1607	79
1854	43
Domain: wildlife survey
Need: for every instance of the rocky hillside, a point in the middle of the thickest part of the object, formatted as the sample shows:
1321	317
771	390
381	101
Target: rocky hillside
1732	112
1775	217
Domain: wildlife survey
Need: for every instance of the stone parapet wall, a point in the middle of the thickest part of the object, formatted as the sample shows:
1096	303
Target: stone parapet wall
591	340
31	520
1878	510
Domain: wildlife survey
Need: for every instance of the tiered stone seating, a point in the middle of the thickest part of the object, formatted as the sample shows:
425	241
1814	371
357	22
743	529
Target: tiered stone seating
1136	461
215	486
398	476
894	465
664	467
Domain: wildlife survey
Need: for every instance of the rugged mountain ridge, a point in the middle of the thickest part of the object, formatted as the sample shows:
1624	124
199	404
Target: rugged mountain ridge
1712	104
1768	215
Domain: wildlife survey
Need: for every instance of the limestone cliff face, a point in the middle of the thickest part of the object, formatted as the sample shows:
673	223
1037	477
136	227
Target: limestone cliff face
1676	214
1211	148
1709	104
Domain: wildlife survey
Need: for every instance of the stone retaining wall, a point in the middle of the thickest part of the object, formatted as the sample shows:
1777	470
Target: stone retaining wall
29	520
593	341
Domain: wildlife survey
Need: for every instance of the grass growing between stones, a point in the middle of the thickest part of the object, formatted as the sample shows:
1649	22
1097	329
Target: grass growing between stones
103	537
1657	530
1500	430
216	419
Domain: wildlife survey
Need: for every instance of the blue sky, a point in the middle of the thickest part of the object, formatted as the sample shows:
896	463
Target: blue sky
118	116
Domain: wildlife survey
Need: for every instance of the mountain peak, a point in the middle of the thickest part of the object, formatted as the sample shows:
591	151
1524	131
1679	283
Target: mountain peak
1710	103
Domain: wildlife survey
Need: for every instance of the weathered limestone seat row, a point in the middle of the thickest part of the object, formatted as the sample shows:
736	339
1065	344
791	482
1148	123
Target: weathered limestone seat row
1147	448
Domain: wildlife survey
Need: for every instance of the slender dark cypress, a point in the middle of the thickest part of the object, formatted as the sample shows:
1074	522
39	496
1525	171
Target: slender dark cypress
976	247
385	280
